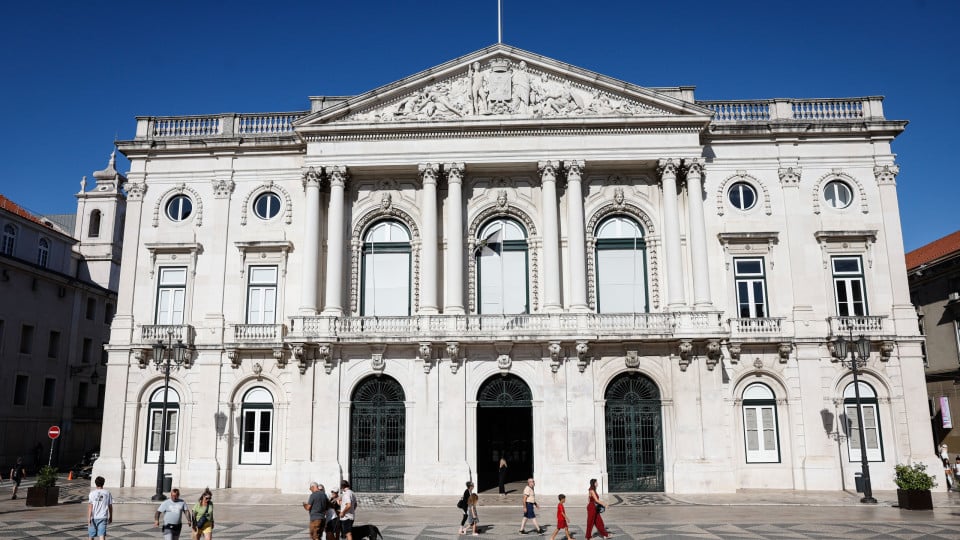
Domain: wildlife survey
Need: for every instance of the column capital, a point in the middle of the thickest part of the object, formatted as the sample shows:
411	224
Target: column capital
574	167
693	167
311	178
548	170
135	190
886	174
668	166
454	172
428	172
337	175
790	176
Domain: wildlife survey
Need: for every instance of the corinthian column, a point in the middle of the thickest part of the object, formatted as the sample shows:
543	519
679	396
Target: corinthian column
428	214
576	239
551	235
698	235
337	175
453	299
671	233
311	240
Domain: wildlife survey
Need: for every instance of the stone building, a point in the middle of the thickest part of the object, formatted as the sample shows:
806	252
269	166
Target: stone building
508	255
933	272
57	300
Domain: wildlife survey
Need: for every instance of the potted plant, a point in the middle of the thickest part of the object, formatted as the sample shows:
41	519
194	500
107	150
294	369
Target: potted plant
45	492
913	486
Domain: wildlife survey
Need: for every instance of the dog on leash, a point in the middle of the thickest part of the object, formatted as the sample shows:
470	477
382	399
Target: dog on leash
366	532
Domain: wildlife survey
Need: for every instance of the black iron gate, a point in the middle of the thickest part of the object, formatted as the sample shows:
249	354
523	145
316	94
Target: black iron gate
377	429
633	434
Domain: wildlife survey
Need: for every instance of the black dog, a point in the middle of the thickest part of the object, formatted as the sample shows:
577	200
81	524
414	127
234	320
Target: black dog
366	532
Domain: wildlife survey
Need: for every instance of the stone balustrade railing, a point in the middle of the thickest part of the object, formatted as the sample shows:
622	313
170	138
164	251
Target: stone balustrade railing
808	110
217	125
862	325
152	333
257	333
757	326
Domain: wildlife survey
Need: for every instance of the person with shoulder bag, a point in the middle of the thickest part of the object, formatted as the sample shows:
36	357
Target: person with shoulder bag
172	511
595	507
462	504
203	516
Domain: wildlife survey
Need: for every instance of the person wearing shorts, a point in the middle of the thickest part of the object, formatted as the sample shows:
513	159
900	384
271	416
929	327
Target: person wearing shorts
99	510
348	505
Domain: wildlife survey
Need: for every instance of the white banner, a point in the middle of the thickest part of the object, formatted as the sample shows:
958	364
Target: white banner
945	412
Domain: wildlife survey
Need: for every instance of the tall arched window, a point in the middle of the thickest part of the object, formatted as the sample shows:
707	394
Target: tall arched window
386	270
9	239
621	267
871	422
502	268
43	252
256	428
94	230
155	426
760	430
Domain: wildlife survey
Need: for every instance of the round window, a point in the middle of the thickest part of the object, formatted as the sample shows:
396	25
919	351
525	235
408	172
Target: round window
179	207
838	194
742	196
266	205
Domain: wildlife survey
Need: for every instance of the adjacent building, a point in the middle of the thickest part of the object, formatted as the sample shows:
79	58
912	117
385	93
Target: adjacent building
934	275
57	300
506	255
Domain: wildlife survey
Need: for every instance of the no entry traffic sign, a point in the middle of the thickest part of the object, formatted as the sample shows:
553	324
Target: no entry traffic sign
53	432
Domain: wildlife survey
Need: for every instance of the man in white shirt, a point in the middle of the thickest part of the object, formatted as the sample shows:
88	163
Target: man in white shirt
99	511
348	509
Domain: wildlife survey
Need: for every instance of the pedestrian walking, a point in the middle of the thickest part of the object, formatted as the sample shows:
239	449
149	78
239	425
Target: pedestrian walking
203	516
169	516
562	524
529	504
17	474
348	510
502	476
99	510
317	506
332	527
595	507
473	519
463	504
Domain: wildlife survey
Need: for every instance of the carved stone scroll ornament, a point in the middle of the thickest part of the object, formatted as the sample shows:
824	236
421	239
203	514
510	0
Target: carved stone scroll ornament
234	356
135	190
686	353
222	188
325	356
453	352
504	362
734	349
632	359
714	353
886	174
377	363
554	349
790	176
258	371
583	358
140	356
886	350
425	354
783	351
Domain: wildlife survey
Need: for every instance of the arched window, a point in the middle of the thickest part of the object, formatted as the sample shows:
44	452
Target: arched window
502	268
257	427
871	422
9	239
179	207
94	230
43	252
621	267
266	205
155	426
386	270
760	429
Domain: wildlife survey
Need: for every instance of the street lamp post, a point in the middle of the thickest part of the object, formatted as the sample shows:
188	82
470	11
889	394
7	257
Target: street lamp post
162	359
859	352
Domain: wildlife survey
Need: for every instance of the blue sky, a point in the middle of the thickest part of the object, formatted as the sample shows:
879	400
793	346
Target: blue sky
76	73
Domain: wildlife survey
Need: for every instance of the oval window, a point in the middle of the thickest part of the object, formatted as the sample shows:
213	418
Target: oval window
742	196
837	194
179	207
266	205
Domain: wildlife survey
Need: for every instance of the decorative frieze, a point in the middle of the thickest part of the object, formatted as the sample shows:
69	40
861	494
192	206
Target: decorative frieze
789	176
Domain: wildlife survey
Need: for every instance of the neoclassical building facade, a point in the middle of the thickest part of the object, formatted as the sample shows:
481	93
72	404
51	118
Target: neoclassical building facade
506	255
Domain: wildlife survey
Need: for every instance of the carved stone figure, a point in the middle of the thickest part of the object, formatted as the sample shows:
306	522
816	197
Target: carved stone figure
502	198
386	201
478	93
618	196
521	89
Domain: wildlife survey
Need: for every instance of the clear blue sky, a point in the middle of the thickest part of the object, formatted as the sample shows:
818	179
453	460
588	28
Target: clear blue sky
74	74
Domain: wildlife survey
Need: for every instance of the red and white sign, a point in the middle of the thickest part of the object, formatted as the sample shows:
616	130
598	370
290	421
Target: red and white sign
53	432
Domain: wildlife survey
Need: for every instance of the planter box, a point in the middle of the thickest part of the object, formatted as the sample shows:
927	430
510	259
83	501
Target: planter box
37	496
915	499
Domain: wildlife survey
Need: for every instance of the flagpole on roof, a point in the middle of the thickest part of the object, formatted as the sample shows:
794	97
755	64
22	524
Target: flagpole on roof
499	23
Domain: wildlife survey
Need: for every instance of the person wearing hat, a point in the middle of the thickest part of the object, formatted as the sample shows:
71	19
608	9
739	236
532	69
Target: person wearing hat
463	504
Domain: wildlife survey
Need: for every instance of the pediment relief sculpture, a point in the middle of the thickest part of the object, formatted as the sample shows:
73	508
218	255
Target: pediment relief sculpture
500	88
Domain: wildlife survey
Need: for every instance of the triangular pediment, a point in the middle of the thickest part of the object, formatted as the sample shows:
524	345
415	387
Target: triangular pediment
502	83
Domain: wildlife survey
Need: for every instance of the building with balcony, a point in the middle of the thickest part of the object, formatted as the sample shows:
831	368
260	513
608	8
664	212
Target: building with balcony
933	272
506	255
58	283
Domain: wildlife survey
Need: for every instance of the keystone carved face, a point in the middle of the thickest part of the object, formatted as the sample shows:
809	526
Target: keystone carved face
386	201
618	196
502	198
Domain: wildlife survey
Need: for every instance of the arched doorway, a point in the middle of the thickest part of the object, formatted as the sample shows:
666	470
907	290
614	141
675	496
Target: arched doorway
634	436
377	430
504	428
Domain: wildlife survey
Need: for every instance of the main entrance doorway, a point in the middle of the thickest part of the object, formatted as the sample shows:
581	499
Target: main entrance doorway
504	428
377	429
633	434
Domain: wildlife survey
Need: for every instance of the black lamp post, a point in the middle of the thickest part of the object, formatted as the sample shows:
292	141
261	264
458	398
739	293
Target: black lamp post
162	359
859	352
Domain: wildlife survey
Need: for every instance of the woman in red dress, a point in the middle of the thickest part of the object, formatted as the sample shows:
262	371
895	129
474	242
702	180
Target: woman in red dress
593	516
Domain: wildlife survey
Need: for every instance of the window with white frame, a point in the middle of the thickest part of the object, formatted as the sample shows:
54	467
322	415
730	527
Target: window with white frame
179	207
742	196
502	268
266	205
750	282
43	252
155	426
262	295
848	286
621	267
872	436
171	295
837	194
760	430
386	270
256	414
9	239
